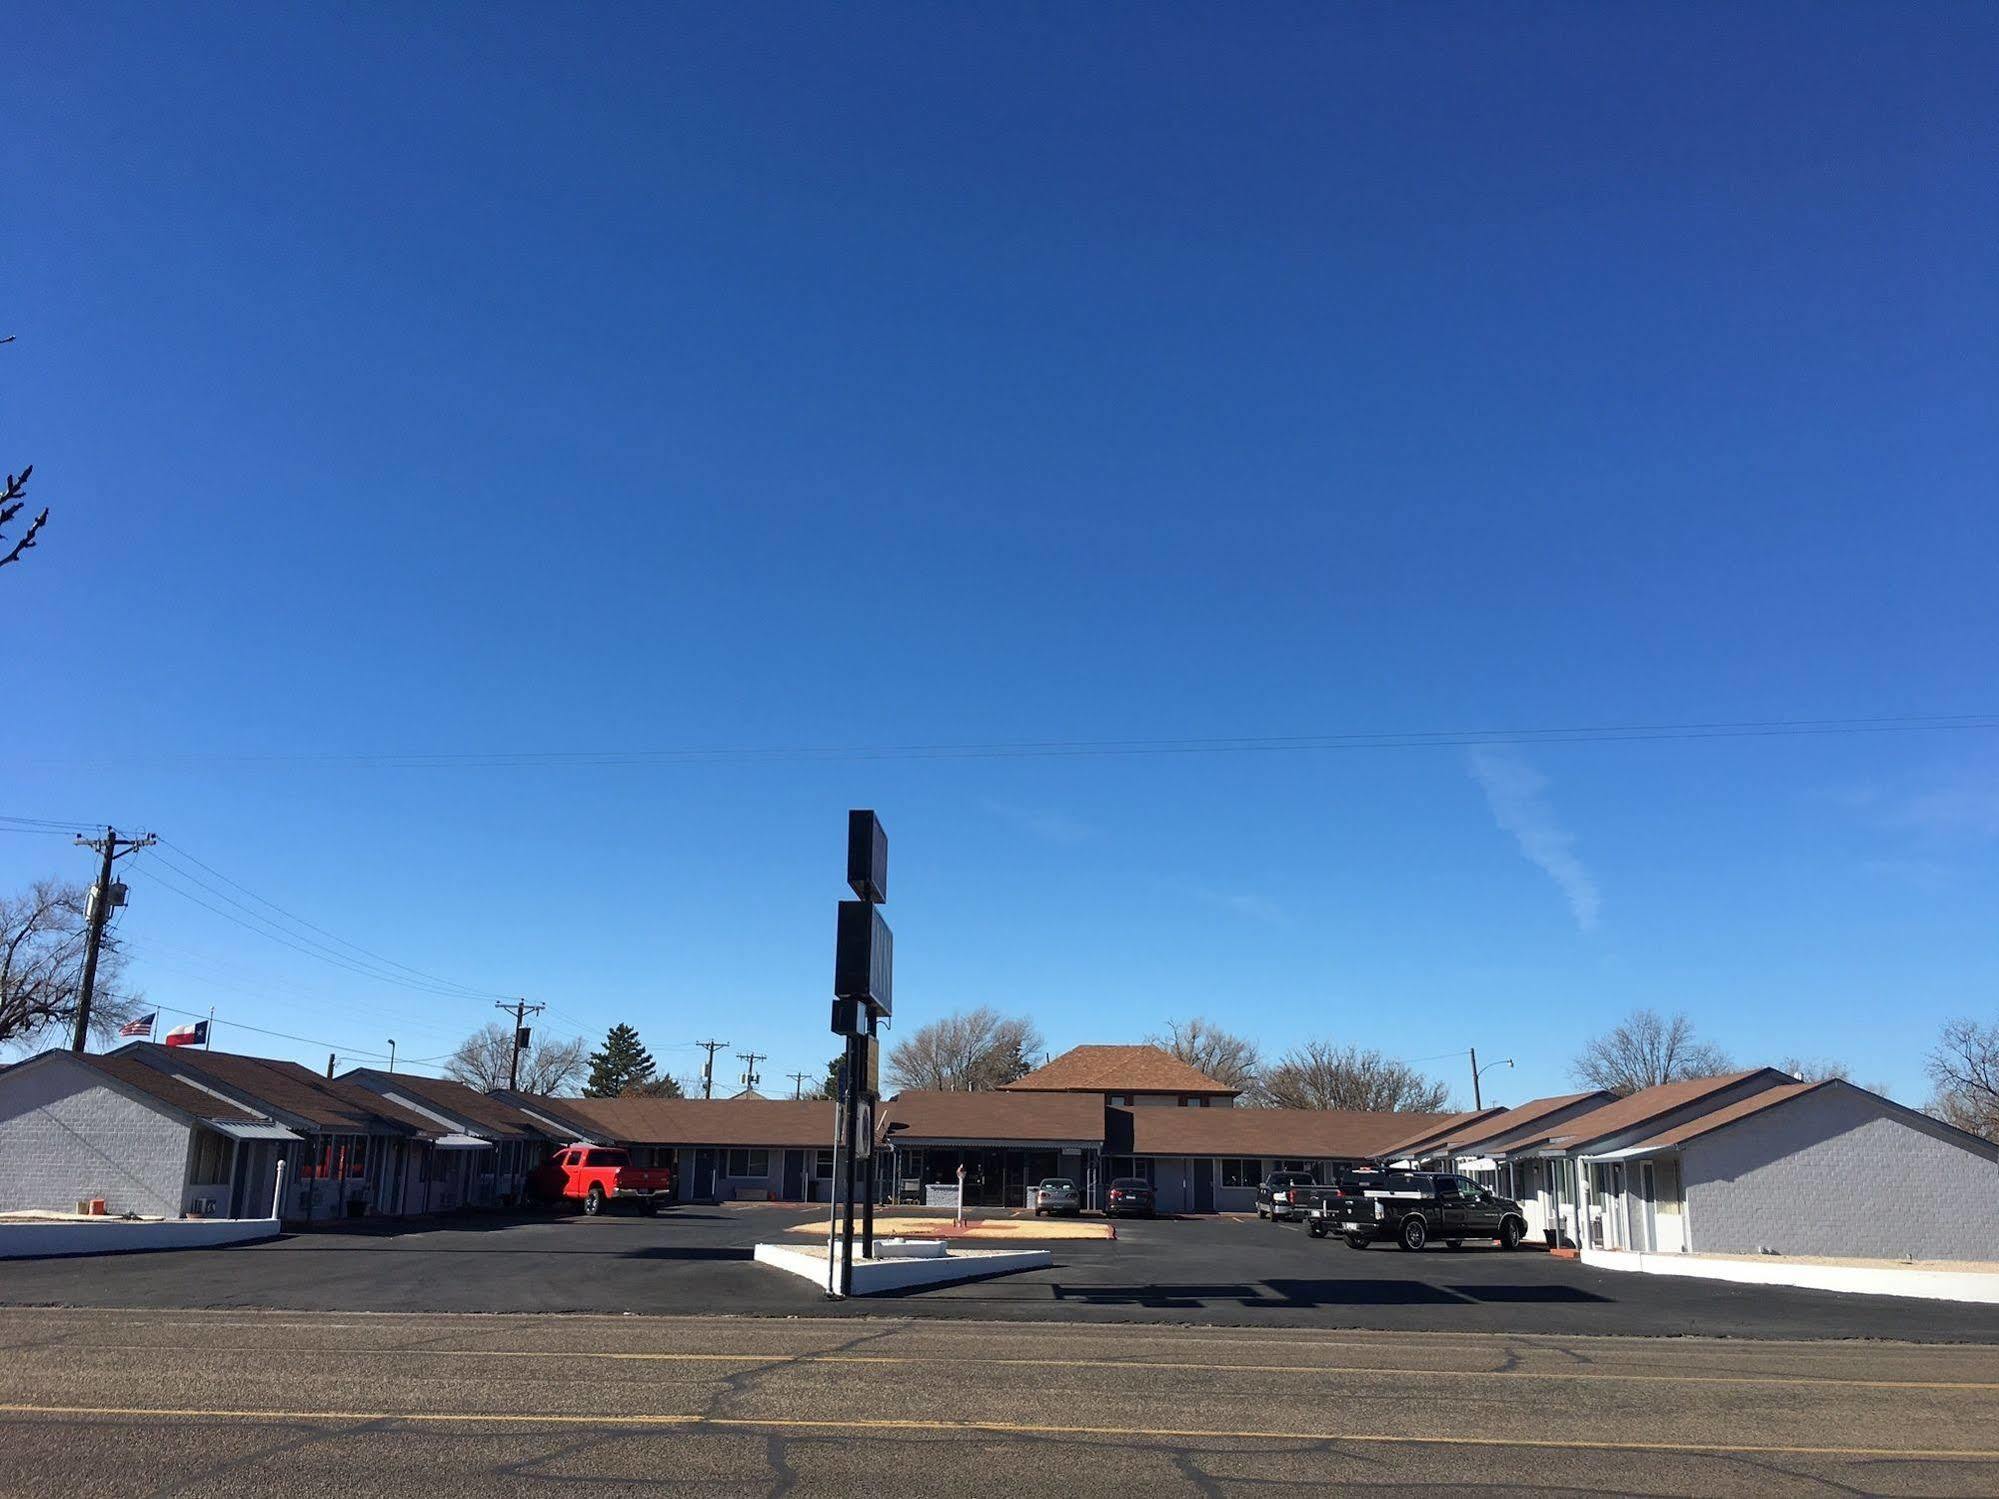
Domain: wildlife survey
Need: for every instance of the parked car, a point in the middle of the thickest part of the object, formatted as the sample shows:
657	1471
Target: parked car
597	1175
1411	1208
1274	1194
1128	1195
1057	1194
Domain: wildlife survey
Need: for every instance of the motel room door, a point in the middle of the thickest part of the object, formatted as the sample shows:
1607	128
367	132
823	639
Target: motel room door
794	1176
1204	1185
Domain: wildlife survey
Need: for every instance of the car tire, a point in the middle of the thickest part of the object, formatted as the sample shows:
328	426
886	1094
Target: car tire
1413	1234
593	1202
1357	1241
649	1208
1316	1230
1511	1232
1259	1210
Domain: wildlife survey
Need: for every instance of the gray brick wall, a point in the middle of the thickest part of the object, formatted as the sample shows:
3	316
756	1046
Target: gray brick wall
1837	1173
64	1134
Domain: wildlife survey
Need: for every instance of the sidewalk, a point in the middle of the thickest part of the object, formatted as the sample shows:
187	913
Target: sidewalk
1934	1280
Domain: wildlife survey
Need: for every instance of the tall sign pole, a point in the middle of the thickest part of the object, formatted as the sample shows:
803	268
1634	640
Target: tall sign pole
863	983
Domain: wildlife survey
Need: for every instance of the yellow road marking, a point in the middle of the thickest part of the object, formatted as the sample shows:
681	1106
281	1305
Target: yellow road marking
1003	1428
1171	1366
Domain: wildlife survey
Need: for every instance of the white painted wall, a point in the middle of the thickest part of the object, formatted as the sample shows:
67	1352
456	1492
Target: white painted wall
1837	1172
66	1134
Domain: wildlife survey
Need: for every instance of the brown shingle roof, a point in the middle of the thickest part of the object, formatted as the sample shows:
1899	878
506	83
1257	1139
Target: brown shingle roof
1029	1118
287	1088
140	1078
1442	1129
1119	1069
702	1121
1728	1113
487	1114
1511	1122
1634	1110
1303	1134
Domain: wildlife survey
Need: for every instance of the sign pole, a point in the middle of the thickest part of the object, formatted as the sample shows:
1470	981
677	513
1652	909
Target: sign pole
868	1201
833	1208
850	1110
863	995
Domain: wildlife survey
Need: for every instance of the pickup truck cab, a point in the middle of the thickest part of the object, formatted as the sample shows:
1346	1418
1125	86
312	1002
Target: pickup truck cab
1410	1208
598	1175
1279	1195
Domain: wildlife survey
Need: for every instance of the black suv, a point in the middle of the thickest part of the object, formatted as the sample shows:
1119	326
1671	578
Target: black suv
1414	1207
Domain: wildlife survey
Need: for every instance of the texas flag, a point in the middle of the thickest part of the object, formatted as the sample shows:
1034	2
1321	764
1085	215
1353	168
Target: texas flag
188	1035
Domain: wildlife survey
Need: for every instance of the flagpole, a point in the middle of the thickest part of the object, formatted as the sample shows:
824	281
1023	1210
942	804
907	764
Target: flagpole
208	1036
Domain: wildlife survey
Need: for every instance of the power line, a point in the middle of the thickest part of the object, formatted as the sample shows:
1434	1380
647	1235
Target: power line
333	1046
344	942
1062	748
265	927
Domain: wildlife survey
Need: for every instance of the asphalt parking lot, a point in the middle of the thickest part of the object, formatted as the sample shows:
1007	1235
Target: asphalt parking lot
1205	1271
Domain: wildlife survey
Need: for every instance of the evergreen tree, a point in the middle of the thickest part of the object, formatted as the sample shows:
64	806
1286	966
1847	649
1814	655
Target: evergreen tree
622	1066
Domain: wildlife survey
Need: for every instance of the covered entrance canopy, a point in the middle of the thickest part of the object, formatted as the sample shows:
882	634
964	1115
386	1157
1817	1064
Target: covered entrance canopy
1005	1142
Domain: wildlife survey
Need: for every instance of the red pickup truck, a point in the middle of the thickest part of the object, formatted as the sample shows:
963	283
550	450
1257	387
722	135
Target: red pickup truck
598	1175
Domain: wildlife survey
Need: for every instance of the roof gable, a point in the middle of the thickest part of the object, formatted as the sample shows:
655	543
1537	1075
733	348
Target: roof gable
1635	1110
1441	1129
1119	1069
1542	1111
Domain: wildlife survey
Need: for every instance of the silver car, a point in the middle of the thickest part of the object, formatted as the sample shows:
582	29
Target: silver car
1057	1194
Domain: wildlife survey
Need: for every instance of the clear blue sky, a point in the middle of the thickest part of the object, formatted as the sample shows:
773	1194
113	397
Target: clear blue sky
512	379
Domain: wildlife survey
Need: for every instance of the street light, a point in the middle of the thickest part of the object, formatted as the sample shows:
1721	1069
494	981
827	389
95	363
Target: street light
1477	1072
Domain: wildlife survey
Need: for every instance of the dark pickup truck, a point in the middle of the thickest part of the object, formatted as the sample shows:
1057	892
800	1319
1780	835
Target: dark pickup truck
1411	1208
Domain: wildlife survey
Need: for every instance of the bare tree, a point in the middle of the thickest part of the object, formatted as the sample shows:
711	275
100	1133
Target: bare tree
547	1067
1320	1075
965	1053
12	501
1229	1059
43	933
1644	1050
1964	1074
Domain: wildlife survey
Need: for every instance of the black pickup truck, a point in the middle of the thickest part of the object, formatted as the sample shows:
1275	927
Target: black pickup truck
1411	1208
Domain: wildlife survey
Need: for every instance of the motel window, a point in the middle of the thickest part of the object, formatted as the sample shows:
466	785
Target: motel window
210	1163
1296	1166
822	1164
357	1159
1240	1173
749	1163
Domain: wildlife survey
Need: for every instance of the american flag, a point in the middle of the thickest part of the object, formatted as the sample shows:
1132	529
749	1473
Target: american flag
143	1026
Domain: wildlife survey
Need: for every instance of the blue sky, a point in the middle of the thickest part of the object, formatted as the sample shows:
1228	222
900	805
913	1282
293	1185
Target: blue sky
505	381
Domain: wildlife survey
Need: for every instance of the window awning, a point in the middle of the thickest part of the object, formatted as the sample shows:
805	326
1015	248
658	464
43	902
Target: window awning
1629	1153
259	1131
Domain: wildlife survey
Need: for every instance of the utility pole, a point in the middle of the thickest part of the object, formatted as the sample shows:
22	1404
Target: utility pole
797	1084
521	1010
749	1059
102	896
708	1067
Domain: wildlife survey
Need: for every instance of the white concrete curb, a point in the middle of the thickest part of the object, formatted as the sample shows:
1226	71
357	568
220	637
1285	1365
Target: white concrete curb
21	1241
900	1273
1866	1280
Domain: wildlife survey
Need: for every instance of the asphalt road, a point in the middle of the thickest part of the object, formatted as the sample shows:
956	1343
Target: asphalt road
1214	1272
108	1404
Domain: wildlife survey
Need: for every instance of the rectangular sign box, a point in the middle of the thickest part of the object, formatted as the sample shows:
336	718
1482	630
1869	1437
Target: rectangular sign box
864	957
867	857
